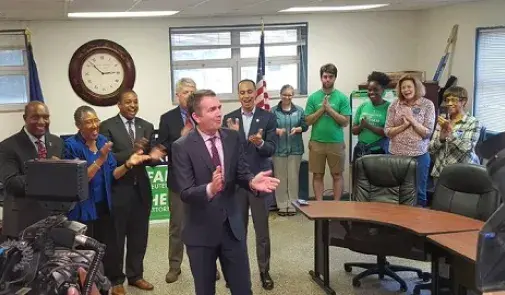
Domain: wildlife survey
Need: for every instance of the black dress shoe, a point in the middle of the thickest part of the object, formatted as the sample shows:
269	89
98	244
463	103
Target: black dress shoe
266	281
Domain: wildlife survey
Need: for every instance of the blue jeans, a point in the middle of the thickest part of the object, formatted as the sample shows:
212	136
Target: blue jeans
423	167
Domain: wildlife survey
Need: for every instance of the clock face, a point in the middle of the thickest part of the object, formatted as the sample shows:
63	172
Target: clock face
100	70
102	73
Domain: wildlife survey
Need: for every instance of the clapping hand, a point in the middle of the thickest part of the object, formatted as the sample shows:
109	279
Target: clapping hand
188	126
137	158
140	144
280	131
217	183
326	104
445	127
363	123
257	139
104	151
295	130
233	124
443	122
157	152
409	117
263	182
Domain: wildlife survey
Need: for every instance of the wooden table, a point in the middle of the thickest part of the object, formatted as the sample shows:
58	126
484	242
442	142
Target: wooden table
420	221
462	243
462	251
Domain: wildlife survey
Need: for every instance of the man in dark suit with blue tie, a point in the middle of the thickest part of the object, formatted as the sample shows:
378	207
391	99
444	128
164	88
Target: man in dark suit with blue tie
257	136
208	163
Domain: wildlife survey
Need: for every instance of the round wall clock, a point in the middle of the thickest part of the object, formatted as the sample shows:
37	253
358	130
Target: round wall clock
99	70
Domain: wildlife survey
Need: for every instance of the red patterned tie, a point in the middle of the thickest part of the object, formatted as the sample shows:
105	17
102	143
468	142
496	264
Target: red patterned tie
41	150
215	154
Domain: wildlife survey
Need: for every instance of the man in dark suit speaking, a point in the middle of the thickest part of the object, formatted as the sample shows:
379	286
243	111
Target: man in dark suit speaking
32	142
208	163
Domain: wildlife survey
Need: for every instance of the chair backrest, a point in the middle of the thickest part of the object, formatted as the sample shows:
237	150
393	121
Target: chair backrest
2	194
385	178
466	189
482	138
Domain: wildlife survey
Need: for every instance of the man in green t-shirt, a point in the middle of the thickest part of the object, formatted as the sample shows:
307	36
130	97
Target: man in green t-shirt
327	110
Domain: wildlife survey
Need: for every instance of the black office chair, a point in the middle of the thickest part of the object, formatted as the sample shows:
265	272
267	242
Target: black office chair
464	189
380	178
482	137
2	194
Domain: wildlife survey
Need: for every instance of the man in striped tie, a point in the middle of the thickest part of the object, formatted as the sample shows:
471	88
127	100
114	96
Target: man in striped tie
208	165
33	141
131	194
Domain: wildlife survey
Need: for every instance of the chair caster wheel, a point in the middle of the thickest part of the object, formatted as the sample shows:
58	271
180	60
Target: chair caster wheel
347	268
356	283
426	277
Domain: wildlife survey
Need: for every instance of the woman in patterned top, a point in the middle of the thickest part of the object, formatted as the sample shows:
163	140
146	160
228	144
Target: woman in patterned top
409	125
455	137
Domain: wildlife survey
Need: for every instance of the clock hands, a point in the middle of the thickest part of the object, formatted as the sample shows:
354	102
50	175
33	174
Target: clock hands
96	68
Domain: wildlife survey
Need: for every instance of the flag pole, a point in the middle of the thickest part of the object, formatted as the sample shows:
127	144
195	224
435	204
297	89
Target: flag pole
262	25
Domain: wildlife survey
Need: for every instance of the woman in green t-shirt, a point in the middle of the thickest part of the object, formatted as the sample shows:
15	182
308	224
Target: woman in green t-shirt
370	118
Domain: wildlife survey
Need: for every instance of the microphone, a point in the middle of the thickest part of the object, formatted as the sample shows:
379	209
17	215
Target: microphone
69	239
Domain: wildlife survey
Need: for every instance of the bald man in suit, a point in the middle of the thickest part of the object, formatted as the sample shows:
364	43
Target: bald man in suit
33	141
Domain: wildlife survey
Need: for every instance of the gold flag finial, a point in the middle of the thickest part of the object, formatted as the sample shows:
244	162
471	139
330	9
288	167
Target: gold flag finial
28	34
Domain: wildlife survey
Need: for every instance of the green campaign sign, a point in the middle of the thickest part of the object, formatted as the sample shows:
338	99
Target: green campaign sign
158	178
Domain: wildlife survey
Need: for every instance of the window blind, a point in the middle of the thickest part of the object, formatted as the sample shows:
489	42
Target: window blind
490	78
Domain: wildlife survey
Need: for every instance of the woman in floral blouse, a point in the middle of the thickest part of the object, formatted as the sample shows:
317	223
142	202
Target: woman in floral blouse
456	135
409	125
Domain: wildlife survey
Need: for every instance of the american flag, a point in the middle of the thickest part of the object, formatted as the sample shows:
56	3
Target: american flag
262	100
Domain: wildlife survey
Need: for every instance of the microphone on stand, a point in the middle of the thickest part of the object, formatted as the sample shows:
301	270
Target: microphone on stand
69	239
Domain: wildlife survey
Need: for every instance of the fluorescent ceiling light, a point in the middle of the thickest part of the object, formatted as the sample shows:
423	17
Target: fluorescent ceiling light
333	8
120	14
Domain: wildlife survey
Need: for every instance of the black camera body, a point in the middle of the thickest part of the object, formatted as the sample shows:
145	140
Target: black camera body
47	255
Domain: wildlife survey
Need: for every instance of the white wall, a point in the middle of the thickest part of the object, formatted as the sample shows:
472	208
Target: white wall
435	26
356	42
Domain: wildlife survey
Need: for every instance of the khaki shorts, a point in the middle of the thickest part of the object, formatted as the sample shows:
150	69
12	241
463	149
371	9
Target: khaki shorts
320	153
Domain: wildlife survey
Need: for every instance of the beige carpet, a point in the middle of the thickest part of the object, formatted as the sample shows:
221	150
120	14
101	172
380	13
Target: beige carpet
292	257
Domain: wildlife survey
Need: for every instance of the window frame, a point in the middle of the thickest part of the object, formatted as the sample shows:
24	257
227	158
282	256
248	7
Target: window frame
15	71
236	62
478	32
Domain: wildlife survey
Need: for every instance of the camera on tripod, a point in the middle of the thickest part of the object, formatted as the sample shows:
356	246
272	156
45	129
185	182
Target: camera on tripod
45	258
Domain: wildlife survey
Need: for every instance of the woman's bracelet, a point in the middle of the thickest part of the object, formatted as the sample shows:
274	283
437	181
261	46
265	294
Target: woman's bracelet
97	166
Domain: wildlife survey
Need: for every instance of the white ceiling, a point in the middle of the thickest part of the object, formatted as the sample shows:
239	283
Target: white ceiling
57	9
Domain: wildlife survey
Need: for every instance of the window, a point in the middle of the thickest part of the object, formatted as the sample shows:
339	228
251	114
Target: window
489	101
219	57
14	87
